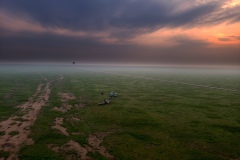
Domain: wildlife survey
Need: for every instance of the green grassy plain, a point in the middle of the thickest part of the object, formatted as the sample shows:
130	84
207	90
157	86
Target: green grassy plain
150	119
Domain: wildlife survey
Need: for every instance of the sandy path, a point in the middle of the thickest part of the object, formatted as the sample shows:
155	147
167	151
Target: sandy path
17	127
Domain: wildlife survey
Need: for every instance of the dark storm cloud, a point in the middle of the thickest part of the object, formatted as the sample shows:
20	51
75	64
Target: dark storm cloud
132	15
49	47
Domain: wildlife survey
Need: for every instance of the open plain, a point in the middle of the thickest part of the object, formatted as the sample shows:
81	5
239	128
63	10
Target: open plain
52	112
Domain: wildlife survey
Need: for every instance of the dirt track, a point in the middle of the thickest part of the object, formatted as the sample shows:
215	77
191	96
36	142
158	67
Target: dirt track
17	127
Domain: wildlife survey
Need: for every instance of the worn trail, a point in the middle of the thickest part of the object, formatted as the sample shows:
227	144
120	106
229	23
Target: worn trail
16	129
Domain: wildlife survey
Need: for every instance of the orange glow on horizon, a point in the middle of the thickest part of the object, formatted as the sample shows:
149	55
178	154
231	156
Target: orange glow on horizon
231	3
222	34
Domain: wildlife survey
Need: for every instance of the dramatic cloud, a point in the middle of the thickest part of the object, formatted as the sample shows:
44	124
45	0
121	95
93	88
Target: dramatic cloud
126	30
135	14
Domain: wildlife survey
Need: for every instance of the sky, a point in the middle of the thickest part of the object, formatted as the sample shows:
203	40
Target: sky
121	31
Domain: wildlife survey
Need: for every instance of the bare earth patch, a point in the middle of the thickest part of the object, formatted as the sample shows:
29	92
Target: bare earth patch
78	151
64	99
66	96
73	147
95	141
63	108
58	123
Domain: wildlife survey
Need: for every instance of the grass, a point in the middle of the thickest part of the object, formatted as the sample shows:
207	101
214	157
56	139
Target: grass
16	88
2	133
150	118
13	133
4	154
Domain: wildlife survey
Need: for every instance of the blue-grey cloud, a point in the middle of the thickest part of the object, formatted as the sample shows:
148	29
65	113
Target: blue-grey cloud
132	15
